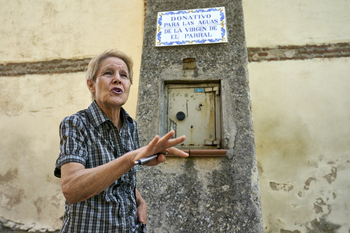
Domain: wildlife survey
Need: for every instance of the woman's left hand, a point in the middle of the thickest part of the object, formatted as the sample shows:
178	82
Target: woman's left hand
161	146
173	151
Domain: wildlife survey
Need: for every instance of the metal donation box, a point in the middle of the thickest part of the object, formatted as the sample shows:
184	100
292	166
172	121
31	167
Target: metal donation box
194	110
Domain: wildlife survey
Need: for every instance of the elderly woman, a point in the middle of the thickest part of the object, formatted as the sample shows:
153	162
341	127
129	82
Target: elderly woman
99	147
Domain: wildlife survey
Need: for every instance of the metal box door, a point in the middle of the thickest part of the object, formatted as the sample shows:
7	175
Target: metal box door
192	112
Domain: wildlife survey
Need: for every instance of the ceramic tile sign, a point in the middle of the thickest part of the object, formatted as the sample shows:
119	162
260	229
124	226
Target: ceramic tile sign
188	27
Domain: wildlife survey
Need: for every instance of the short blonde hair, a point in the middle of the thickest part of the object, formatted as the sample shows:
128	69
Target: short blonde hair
95	63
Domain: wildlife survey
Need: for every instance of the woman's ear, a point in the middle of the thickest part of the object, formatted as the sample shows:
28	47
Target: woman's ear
91	86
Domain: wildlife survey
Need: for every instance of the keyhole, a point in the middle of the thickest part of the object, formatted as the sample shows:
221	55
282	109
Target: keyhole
180	116
199	107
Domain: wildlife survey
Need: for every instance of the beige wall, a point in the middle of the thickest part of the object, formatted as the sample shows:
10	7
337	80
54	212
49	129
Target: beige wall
32	106
37	30
301	116
281	22
301	120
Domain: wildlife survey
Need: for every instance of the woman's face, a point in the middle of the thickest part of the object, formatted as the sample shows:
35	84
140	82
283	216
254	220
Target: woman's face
112	84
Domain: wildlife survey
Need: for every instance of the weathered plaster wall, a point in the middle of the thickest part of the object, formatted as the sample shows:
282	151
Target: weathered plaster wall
32	106
301	114
46	29
299	22
302	137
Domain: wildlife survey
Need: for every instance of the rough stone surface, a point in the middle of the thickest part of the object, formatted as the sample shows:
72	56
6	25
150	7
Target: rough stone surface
7	226
200	194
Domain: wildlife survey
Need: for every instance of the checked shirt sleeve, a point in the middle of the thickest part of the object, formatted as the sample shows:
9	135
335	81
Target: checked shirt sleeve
72	143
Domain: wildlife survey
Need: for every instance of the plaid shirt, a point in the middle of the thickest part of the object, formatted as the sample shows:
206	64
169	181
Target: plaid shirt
89	137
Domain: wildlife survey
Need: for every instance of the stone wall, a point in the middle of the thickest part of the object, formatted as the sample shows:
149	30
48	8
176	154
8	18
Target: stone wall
200	194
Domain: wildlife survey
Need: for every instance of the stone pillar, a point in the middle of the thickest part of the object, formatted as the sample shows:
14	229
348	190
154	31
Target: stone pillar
200	194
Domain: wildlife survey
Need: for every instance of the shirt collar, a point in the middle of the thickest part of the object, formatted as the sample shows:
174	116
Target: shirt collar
98	117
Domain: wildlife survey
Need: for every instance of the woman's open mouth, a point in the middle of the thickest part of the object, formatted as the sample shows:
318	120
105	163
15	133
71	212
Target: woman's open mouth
117	90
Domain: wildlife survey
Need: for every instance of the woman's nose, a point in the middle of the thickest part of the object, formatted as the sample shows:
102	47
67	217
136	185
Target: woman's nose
116	78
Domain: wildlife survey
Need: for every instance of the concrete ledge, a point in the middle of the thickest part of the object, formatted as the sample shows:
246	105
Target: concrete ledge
204	153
